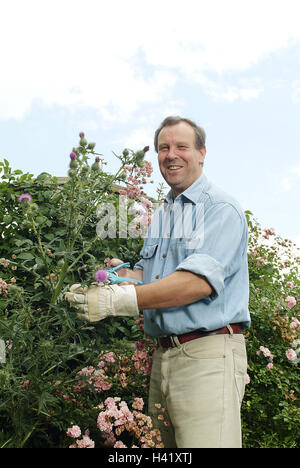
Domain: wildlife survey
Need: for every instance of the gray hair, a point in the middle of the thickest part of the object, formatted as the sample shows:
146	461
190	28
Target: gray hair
200	135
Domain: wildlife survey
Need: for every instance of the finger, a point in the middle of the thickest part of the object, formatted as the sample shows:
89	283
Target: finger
77	288
115	262
126	283
76	298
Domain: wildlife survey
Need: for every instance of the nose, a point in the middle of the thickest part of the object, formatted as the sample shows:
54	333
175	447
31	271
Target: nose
171	153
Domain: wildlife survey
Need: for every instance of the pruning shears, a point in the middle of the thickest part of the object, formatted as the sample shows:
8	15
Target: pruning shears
114	278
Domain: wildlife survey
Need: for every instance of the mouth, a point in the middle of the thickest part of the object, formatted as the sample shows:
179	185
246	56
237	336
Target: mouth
174	168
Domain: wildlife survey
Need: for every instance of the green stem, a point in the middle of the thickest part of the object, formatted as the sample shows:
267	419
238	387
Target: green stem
5	443
41	250
28	435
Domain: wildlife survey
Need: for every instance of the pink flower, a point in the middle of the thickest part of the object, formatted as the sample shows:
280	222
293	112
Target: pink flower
109	357
85	442
291	354
74	432
295	323
269	366
24	197
247	379
120	444
138	404
260	261
147	203
73	155
101	276
268	232
290	284
291	301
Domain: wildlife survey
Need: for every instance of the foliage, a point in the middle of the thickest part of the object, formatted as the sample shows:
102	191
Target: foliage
48	242
270	410
61	373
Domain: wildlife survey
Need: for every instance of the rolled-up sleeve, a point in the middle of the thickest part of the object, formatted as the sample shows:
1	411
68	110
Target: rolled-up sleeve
206	266
219	255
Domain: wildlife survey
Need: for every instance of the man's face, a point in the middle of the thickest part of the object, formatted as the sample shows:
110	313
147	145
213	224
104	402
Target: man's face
179	160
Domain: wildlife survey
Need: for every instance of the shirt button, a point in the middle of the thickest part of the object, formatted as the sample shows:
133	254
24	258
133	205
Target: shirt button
157	276
164	255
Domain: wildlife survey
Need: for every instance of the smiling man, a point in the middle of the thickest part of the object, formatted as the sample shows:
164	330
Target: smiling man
181	154
194	298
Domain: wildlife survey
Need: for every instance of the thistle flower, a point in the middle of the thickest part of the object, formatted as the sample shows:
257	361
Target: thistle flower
81	134
101	276
25	196
73	155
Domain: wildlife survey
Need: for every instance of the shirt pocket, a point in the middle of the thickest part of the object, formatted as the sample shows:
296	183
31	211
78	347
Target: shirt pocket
149	251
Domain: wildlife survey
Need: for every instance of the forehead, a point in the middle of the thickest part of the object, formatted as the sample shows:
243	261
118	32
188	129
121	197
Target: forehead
181	132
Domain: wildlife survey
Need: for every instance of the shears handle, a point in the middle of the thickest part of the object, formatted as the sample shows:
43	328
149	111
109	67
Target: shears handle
115	279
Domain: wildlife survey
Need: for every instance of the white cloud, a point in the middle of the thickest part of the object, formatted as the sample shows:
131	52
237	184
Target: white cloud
118	56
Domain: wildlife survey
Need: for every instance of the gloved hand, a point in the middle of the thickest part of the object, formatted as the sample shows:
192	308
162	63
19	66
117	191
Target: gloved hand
96	302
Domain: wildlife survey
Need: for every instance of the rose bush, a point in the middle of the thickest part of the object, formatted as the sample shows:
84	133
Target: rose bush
270	410
68	383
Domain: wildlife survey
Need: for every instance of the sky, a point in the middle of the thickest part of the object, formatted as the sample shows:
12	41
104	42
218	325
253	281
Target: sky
116	69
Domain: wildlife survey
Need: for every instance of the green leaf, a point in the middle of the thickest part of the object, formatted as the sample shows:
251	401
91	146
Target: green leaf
25	256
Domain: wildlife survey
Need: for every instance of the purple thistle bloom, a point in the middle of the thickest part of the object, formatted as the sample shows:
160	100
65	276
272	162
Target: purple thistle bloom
101	276
73	155
81	134
25	196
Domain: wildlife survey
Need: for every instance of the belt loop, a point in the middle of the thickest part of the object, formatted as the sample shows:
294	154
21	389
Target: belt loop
229	329
175	341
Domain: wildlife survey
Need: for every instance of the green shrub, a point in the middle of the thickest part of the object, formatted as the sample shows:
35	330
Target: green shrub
59	371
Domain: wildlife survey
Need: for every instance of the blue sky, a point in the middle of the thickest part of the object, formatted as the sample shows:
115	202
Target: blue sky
115	69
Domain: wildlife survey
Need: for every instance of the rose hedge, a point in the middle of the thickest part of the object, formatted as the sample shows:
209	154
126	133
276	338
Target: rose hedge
63	379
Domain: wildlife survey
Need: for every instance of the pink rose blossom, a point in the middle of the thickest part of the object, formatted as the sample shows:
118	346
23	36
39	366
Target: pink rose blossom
247	379
74	432
269	366
295	323
138	404
119	444
291	354
291	301
85	442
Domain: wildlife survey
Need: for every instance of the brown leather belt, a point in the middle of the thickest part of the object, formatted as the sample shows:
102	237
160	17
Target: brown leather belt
170	341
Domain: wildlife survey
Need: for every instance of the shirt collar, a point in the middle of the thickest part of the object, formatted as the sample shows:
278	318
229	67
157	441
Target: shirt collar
193	193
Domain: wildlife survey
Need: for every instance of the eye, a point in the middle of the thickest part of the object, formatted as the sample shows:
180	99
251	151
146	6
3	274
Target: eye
163	148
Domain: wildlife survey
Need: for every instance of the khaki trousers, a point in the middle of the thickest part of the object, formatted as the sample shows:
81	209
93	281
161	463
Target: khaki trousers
201	385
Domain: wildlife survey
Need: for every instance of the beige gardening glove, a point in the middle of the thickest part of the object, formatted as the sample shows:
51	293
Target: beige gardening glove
96	302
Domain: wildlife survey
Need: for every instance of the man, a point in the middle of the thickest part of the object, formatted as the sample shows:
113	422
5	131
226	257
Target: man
194	297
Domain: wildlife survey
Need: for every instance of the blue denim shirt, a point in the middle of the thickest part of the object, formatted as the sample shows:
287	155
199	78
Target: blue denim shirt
203	231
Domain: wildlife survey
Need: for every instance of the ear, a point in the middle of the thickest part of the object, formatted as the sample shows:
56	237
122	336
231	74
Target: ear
202	154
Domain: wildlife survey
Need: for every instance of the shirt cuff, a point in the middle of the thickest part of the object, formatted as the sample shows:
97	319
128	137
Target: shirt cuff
204	265
139	265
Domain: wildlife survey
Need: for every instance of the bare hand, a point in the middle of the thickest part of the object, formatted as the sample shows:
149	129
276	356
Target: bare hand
122	272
